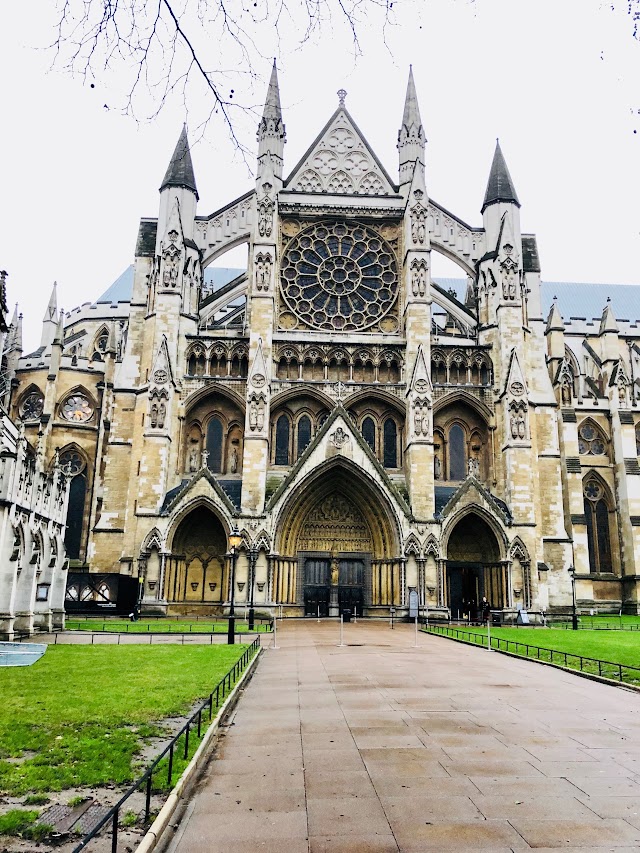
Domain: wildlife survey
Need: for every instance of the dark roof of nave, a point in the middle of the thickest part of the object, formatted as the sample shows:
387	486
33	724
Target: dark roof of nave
576	300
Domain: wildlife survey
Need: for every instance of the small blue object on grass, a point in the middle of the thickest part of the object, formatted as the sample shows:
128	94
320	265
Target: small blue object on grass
21	654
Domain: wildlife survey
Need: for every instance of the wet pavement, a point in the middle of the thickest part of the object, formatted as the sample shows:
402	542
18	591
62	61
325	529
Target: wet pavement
381	746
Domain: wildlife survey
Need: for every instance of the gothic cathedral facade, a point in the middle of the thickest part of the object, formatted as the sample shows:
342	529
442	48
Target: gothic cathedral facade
330	428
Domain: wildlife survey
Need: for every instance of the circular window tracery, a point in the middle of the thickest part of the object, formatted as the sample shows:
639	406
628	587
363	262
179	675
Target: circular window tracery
32	406
71	462
589	441
339	277
77	408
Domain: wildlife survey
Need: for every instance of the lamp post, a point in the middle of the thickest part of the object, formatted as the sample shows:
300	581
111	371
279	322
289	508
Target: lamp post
234	541
253	557
574	621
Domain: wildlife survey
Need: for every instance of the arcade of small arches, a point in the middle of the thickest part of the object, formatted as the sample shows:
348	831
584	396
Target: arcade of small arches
218	360
346	364
461	367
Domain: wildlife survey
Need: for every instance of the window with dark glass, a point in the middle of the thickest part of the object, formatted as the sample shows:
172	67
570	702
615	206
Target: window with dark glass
369	432
598	529
304	434
282	440
457	453
390	456
214	445
590	442
75	516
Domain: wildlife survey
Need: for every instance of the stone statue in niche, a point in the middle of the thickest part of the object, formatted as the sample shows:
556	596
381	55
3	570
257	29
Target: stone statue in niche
474	467
153	415
265	217
566	394
437	468
193	458
418	224
622	394
162	414
233	461
335	572
253	415
263	271
260	421
170	275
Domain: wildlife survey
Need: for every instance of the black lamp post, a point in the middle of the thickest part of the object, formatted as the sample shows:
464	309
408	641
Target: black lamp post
572	572
234	541
253	557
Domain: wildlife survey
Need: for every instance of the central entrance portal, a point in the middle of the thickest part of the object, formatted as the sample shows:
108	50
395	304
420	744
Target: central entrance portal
333	585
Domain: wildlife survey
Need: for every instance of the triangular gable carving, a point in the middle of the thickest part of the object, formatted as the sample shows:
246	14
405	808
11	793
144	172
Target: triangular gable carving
515	384
431	547
339	437
162	372
412	546
420	377
519	550
340	161
473	492
258	374
203	484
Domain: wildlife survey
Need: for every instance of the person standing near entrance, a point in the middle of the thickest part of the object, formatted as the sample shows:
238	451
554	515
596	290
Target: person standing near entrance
486	609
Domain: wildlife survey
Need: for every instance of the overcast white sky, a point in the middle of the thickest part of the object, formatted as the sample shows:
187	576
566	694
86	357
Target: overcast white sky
556	80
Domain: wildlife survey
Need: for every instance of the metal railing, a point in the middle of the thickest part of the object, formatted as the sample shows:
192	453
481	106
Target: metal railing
123	627
222	689
570	660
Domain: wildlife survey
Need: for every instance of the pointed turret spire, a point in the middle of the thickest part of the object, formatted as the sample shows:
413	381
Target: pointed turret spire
17	338
499	186
180	170
50	319
555	323
411	137
59	337
271	131
608	322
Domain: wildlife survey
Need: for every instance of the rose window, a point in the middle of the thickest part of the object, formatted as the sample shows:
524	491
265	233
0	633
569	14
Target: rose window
589	441
71	462
77	408
32	406
339	277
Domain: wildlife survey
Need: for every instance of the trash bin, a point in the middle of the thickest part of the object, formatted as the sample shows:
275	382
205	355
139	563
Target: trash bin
346	615
496	618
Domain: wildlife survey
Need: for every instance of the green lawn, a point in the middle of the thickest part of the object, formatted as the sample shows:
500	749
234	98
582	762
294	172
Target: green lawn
159	626
609	620
614	646
80	714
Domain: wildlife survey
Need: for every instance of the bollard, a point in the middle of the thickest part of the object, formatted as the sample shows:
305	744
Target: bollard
341	629
318	613
355	613
416	632
489	633
275	633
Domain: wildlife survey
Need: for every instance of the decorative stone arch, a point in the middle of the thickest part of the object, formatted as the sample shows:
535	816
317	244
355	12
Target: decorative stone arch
519	550
589	446
465	265
283	397
521	573
601	521
412	546
97	350
32	400
76	464
210	389
431	547
153	539
77	390
358	486
496	526
460	395
183	509
367	394
225	246
262	542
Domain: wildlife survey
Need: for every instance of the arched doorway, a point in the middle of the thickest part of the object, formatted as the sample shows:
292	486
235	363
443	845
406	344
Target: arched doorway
474	568
340	547
195	571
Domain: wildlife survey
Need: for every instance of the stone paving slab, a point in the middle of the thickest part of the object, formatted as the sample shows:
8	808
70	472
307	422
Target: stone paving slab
382	747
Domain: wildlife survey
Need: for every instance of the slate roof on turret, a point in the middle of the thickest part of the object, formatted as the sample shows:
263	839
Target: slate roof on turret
499	186
180	170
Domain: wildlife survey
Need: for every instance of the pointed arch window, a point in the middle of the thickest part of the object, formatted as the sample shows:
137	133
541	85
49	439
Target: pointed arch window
214	445
282	440
390	437
457	453
304	434
597	514
369	432
591	441
74	466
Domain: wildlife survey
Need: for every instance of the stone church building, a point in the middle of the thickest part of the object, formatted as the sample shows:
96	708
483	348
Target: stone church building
365	433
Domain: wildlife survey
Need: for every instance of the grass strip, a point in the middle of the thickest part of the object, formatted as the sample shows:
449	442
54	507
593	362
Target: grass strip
612	648
79	716
158	627
24	823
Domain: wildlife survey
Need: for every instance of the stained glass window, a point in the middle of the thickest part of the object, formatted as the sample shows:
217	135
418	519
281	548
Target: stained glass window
390	432
457	454
598	527
75	516
282	440
214	445
369	432
304	434
339	276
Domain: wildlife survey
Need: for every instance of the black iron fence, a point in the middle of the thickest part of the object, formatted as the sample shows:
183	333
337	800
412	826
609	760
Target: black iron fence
194	723
592	666
217	626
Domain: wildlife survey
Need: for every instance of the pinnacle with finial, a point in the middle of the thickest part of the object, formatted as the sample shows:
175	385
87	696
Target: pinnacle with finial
180	170
500	187
342	94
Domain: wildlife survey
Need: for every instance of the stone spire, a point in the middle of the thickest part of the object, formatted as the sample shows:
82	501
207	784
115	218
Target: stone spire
411	137
271	131
59	336
50	319
500	186
180	170
555	323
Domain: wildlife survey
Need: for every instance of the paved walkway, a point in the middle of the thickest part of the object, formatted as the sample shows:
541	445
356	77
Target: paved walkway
380	746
